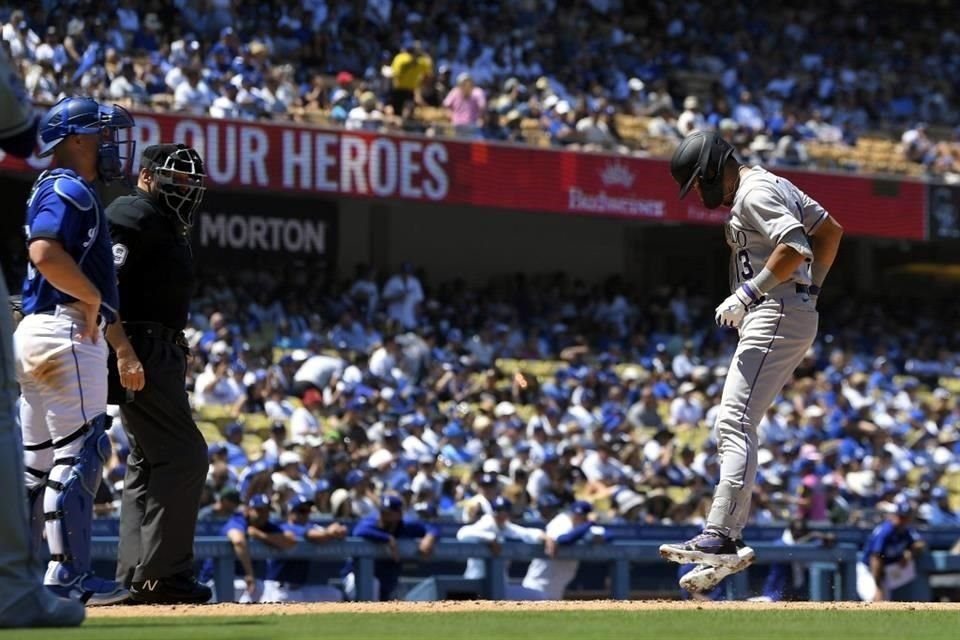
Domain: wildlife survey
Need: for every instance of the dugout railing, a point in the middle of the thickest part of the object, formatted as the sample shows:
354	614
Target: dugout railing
832	570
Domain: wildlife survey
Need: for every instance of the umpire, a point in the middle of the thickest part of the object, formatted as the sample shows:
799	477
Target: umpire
167	465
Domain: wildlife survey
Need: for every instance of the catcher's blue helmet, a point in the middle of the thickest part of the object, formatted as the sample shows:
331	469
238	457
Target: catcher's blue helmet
85	116
70	116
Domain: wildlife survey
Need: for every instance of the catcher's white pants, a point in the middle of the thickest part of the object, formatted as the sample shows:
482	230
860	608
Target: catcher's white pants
63	386
63	382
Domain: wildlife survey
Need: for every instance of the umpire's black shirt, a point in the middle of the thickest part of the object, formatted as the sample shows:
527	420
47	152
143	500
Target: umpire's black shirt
154	261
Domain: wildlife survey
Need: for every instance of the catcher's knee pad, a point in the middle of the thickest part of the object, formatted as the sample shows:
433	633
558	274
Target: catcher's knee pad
37	462
75	478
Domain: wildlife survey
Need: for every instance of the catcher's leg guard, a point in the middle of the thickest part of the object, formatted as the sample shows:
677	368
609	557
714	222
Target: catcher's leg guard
71	487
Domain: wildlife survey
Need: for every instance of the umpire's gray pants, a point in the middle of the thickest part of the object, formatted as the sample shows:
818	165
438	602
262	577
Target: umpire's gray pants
774	337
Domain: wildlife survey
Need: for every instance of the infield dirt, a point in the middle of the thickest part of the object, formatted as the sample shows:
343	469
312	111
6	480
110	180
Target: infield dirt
453	606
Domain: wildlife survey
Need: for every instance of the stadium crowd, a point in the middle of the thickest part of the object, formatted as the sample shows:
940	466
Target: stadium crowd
785	77
544	390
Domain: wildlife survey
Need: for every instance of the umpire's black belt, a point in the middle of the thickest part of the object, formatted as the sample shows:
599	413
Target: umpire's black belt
154	331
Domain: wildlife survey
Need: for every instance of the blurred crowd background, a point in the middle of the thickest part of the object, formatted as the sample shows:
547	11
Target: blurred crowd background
849	85
542	388
546	390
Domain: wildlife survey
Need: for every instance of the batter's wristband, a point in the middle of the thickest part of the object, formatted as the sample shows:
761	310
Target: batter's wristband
814	290
751	292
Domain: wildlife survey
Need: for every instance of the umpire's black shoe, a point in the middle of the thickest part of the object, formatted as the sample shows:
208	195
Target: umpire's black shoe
171	590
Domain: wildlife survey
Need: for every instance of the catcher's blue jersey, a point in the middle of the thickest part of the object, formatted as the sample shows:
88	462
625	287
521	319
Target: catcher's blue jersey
64	207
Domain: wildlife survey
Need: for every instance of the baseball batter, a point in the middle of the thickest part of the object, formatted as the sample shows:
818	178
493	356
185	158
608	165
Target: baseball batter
69	294
782	244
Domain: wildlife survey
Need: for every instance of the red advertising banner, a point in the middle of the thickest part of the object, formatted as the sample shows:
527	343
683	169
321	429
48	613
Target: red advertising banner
295	158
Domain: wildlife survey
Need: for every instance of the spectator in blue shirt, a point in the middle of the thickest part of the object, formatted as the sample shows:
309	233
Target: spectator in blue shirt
236	455
253	523
386	527
455	451
286	579
887	562
937	513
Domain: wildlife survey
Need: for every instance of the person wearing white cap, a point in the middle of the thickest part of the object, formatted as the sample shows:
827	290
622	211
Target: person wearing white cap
466	103
290	475
504	410
686	407
692	118
637	100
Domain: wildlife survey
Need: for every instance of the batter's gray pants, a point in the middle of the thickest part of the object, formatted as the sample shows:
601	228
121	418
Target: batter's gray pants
774	337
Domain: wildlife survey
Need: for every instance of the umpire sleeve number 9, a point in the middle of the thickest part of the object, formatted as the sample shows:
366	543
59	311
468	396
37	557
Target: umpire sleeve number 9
120	253
745	269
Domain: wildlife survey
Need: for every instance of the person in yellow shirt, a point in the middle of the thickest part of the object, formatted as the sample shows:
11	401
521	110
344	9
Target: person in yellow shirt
409	69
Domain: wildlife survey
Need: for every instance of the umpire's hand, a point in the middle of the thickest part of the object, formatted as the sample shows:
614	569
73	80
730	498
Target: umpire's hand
130	368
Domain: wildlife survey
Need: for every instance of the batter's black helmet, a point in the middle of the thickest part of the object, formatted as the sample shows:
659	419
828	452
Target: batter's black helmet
701	156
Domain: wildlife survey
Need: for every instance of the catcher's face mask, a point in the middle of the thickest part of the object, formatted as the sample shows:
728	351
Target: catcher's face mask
180	183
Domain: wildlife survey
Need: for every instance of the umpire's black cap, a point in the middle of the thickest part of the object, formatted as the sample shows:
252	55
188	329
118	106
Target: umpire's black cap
157	154
185	158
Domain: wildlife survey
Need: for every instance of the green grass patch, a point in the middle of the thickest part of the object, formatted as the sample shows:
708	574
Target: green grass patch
546	625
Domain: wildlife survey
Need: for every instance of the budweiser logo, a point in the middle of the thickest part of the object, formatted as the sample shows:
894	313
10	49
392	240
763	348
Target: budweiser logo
617	174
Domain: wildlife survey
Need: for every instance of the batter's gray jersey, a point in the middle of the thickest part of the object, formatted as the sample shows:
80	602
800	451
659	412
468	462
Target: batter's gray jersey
774	335
765	209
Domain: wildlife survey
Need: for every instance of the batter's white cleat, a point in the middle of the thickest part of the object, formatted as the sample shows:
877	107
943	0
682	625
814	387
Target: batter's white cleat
705	578
709	548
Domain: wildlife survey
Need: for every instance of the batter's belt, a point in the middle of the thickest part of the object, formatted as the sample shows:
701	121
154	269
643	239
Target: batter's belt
786	290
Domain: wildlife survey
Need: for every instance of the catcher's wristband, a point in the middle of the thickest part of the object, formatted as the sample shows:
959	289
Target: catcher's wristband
814	290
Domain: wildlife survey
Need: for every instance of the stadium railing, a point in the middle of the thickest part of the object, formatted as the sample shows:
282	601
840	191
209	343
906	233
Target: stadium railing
832	570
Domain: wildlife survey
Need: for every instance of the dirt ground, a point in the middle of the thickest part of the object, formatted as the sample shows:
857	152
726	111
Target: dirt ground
233	609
